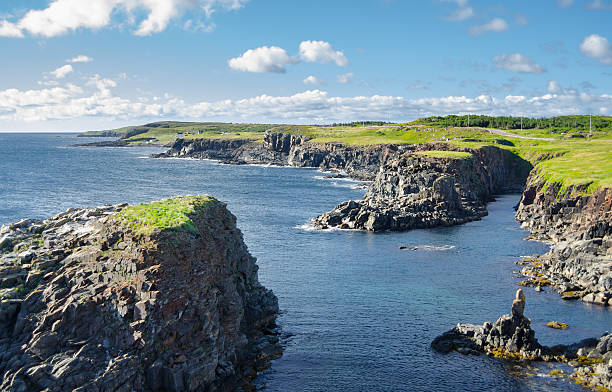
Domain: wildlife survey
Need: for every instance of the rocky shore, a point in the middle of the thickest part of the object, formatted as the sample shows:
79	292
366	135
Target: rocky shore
415	190
579	224
511	338
162	296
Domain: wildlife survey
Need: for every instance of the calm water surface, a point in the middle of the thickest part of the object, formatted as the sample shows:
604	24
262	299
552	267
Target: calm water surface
358	314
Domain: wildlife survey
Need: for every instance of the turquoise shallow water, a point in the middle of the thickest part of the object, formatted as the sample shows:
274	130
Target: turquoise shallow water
358	314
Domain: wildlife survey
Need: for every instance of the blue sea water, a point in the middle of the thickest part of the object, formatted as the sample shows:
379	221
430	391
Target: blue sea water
358	313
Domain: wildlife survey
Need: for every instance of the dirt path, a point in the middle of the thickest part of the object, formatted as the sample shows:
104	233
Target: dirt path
508	134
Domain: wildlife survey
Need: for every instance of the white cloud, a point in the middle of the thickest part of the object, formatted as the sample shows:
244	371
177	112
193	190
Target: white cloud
63	16
8	29
312	80
263	59
345	78
597	47
565	3
62	71
80	59
517	62
96	100
321	51
495	25
554	86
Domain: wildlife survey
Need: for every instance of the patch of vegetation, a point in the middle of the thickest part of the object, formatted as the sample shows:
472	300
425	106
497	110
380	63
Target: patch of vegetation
174	213
557	325
561	124
445	154
165	132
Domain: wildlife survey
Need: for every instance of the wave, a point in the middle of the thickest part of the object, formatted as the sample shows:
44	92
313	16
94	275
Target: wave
430	247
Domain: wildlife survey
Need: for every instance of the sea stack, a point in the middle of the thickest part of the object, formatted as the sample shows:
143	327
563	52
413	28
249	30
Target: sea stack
160	296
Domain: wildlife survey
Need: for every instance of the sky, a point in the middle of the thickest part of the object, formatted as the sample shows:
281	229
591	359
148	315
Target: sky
75	65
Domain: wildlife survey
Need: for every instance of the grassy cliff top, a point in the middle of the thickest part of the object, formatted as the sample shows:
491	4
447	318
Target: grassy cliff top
578	149
173	213
445	154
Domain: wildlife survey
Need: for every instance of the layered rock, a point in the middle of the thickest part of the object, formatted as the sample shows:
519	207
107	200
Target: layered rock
162	296
579	223
511	338
414	190
286	150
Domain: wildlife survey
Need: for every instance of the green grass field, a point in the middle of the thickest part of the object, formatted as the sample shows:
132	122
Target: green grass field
572	157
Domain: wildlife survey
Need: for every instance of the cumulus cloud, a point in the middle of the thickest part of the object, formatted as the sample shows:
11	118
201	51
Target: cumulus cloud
62	71
322	52
312	80
495	25
517	62
97	100
8	29
345	78
63	16
80	59
597	47
263	59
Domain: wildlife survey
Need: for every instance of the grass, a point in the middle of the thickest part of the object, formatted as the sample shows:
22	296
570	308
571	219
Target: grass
446	154
174	213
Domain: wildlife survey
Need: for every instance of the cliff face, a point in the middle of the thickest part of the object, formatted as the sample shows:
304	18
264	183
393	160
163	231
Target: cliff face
579	264
283	149
413	190
113	299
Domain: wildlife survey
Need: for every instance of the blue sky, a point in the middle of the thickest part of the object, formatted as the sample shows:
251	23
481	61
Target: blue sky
75	65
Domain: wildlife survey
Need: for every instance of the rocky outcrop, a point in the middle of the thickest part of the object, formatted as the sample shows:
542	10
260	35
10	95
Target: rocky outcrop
511	338
414	190
163	296
579	223
286	150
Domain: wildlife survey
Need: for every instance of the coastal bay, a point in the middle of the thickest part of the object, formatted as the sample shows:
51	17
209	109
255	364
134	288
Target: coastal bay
350	300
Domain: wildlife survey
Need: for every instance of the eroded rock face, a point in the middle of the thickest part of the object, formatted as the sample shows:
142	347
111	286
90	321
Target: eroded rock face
412	190
92	303
579	264
286	150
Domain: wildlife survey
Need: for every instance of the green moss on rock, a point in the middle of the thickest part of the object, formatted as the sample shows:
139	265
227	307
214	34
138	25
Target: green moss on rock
173	213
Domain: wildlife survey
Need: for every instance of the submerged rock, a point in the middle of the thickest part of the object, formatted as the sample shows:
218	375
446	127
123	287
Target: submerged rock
161	296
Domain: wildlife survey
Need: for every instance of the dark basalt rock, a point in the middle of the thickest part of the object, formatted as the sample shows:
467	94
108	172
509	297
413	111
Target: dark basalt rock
579	223
412	190
511	338
91	304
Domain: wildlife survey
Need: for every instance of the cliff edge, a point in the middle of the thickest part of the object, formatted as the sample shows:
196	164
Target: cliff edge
160	296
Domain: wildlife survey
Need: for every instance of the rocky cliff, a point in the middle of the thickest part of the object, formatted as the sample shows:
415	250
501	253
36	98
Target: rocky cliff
163	296
430	185
511	338
286	150
579	223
